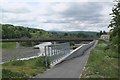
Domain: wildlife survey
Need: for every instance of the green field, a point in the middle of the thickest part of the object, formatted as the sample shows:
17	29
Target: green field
7	45
24	69
102	63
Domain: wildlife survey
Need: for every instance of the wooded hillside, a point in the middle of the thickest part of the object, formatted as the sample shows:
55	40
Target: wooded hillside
11	32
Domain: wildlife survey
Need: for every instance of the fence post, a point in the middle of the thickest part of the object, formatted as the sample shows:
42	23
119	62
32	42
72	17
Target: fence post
17	44
46	60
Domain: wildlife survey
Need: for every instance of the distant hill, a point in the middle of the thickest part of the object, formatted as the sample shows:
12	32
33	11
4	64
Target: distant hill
92	33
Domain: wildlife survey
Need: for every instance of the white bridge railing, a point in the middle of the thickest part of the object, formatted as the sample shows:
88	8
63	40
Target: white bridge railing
56	53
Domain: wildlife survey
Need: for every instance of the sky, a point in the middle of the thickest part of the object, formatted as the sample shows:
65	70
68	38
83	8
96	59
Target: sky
57	15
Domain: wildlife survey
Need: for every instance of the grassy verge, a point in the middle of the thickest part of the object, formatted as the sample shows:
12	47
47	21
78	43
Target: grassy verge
23	69
8	45
102	63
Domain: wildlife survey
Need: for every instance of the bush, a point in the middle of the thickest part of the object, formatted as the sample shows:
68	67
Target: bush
18	63
72	43
26	44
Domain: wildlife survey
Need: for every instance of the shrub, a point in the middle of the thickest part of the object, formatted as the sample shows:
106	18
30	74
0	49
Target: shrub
72	43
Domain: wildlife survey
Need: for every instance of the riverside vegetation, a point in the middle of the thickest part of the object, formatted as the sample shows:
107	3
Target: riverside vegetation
103	62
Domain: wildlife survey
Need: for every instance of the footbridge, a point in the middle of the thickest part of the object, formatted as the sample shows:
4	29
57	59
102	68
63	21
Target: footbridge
56	53
50	39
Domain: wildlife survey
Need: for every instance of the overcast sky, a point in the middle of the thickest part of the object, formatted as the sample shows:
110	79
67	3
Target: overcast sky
58	15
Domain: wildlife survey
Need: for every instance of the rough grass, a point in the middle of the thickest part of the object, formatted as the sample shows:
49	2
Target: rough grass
102	63
25	68
8	45
0	71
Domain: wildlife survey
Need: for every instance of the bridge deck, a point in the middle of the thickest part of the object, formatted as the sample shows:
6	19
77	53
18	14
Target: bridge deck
50	40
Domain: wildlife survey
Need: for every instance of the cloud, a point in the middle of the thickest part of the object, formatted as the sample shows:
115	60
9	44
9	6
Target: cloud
60	7
14	7
83	12
57	0
67	16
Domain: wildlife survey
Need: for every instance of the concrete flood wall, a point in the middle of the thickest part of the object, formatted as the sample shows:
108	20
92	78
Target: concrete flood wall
75	53
80	50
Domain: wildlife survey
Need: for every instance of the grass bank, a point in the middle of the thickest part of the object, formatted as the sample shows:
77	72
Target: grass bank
102	63
7	45
23	68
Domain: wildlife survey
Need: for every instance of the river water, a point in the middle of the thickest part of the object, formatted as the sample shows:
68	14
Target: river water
23	53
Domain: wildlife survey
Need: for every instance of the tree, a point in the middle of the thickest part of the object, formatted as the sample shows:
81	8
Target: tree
65	34
101	33
115	25
104	32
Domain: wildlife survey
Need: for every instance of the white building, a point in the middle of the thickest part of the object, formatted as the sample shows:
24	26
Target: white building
105	37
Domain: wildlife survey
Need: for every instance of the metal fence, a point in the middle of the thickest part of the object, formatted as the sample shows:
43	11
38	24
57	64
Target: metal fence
54	53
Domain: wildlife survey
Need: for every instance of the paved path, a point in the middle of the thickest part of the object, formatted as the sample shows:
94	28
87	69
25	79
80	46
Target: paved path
68	69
